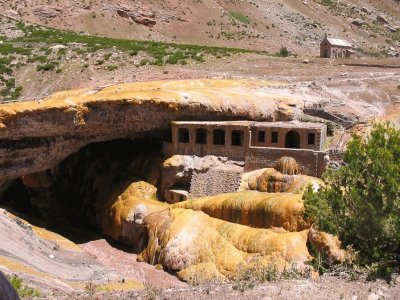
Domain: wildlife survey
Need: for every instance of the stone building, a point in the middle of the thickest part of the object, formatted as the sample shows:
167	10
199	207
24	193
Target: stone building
335	48
258	144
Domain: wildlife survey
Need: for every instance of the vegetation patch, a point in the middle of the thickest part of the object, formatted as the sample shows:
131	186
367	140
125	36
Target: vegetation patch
360	202
248	278
240	17
23	290
283	52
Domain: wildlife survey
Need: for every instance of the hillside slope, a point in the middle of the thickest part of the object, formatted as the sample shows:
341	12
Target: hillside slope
254	24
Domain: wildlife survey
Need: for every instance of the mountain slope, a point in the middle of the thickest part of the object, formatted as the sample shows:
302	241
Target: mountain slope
254	24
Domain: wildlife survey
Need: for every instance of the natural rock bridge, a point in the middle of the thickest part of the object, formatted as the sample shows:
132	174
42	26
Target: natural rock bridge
37	135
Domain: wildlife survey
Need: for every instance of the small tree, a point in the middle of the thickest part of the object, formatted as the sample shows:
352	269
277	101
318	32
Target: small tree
360	202
283	52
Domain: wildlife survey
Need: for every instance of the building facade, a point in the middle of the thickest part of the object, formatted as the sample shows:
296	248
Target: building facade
335	48
258	144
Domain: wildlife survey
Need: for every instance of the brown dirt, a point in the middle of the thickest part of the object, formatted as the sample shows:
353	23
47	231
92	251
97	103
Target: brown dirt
324	287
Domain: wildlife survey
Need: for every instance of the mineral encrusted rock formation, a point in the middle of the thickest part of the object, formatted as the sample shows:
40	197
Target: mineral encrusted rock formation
184	241
211	237
259	210
35	136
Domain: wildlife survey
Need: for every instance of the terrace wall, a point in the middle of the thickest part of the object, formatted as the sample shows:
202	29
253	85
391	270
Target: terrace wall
311	162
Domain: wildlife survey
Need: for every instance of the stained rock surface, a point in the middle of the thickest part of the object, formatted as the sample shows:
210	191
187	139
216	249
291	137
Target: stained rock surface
204	238
36	135
251	208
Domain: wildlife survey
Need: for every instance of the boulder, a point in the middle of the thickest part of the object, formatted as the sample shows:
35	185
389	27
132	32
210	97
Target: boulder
382	19
47	12
365	10
357	22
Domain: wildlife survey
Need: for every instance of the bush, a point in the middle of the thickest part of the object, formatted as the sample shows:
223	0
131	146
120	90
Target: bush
47	67
22	290
283	52
360	202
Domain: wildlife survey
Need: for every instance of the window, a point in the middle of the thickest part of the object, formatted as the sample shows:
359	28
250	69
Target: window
311	138
237	138
201	136
274	137
261	136
184	135
219	137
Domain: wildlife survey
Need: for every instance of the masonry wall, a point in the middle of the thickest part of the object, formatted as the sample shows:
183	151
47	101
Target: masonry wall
214	182
311	162
228	150
333	51
320	137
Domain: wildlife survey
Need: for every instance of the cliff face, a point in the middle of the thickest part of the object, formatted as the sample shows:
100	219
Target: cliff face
35	136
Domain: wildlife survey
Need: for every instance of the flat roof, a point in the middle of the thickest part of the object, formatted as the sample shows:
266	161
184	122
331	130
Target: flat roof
291	124
215	123
281	124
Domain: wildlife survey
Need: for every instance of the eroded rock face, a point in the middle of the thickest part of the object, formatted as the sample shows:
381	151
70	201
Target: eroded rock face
35	136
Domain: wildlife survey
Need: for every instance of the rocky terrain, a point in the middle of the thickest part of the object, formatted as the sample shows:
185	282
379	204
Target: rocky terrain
256	24
83	117
91	158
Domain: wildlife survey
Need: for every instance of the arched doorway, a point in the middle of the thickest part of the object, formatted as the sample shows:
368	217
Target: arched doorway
292	140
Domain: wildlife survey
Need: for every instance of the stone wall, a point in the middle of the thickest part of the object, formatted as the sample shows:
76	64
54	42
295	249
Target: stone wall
311	162
215	181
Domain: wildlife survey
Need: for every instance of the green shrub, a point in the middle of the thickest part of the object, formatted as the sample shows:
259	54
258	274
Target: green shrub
107	56
283	52
10	83
37	58
47	67
143	62
360	202
22	290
